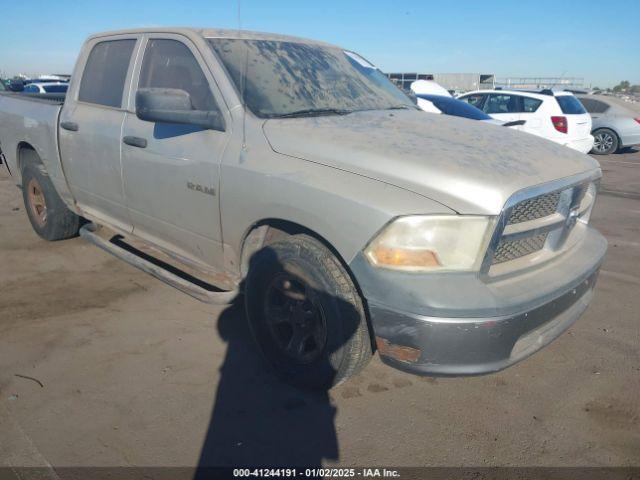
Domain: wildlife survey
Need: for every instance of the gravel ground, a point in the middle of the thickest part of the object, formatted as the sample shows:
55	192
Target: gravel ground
127	371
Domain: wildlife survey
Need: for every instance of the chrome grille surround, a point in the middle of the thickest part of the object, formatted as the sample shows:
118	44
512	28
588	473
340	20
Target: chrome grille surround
523	233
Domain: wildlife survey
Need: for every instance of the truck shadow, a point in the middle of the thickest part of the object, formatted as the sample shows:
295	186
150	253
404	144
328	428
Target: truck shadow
258	420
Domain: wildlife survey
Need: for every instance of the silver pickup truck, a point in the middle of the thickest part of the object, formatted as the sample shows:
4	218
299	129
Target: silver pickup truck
295	173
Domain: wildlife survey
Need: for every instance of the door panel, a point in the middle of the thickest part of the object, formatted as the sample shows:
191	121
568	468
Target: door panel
171	185
91	126
92	162
533	121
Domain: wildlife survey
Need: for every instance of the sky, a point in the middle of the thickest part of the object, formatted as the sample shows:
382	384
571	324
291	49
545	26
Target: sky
597	40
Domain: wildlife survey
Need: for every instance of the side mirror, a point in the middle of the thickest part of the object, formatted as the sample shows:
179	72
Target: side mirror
172	105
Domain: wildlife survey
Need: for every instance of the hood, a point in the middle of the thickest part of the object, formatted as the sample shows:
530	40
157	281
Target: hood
469	166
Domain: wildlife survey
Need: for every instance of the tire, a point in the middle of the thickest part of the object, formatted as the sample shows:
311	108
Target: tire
49	216
306	314
606	142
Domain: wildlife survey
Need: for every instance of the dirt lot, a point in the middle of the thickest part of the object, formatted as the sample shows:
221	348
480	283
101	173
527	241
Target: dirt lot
128	371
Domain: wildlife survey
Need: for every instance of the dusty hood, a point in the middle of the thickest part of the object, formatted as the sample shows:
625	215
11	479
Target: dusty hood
467	165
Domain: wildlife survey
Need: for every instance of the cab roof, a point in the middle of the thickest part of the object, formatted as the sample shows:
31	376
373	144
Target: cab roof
213	33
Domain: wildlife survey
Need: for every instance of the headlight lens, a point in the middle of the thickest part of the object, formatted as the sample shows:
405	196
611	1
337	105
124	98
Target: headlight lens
432	243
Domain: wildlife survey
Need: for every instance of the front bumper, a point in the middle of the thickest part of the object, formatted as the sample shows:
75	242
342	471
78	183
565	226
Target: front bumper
463	326
583	145
627	140
473	346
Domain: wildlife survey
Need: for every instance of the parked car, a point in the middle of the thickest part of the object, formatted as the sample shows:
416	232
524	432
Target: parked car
2	86
47	87
556	116
429	87
455	107
296	173
613	126
426	87
16	85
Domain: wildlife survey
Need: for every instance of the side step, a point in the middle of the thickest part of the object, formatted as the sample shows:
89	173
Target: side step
162	271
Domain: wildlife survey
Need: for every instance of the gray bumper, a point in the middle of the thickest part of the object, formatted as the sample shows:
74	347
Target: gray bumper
467	344
473	346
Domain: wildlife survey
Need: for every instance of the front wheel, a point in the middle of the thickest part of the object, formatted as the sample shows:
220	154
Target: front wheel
605	142
49	216
306	314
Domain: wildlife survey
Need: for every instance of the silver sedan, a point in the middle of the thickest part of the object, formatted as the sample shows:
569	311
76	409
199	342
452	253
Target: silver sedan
614	126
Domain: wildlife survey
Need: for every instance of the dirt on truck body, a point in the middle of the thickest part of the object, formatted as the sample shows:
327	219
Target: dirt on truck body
293	172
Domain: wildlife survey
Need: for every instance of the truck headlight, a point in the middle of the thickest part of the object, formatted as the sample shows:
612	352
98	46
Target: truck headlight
420	243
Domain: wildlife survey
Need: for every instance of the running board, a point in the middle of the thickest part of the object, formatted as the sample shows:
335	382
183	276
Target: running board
182	281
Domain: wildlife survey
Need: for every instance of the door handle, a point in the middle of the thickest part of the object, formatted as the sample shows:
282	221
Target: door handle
135	141
71	126
514	123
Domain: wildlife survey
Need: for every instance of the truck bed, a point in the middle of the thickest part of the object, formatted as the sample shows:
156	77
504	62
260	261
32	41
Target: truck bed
55	98
31	121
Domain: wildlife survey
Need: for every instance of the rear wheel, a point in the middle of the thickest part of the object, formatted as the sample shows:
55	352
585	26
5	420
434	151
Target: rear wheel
605	142
306	314
49	216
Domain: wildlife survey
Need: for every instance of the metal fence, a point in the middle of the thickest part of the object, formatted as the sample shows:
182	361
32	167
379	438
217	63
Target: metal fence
541	82
476	81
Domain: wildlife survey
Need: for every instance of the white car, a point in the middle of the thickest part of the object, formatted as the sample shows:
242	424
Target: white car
46	87
554	115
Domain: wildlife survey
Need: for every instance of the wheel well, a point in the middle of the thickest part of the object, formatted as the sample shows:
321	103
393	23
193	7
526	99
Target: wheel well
26	154
607	128
268	231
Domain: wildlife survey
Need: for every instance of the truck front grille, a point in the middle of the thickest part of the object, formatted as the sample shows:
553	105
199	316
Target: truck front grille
535	208
510	250
540	224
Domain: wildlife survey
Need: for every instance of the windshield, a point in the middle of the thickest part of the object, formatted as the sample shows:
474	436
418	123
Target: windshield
455	107
288	78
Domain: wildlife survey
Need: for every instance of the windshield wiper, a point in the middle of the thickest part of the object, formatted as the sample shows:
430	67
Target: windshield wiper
311	112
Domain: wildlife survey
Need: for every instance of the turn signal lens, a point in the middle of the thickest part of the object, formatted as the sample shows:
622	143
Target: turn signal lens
405	258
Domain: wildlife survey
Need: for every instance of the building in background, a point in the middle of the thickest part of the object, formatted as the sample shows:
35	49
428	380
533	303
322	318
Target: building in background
464	82
404	80
461	82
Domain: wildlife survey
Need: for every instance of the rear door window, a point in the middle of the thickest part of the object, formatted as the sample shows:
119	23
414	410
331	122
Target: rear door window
105	73
570	105
530	105
502	103
170	64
